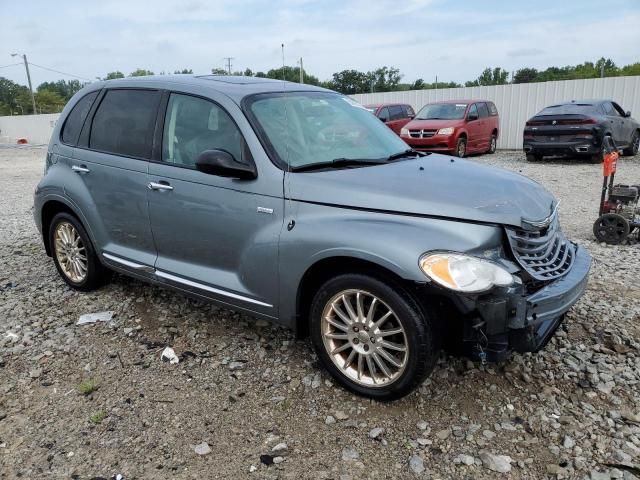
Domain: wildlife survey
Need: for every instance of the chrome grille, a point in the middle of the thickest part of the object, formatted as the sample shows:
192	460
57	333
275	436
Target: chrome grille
544	253
422	133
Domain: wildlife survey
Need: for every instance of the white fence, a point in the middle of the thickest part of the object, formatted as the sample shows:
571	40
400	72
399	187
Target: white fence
35	128
519	102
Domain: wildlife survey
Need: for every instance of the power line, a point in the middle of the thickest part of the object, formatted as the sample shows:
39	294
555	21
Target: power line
11	65
58	71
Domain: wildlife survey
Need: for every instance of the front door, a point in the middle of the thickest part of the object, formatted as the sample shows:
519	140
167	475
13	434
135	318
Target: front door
112	163
215	236
474	128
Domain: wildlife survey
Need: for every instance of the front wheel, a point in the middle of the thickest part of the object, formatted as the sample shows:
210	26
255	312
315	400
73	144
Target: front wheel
533	157
73	254
461	147
633	147
372	336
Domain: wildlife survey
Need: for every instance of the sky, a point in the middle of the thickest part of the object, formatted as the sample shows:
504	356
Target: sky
454	40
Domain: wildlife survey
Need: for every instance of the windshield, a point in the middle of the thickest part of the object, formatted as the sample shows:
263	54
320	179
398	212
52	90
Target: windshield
304	128
442	111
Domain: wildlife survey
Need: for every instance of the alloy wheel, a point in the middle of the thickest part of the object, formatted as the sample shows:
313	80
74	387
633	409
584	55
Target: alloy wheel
70	252
364	338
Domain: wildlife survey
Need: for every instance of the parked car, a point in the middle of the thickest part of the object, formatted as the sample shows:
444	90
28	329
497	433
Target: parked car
460	127
294	204
394	115
578	128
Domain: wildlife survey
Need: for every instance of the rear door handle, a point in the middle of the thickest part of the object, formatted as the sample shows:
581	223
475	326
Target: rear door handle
80	169
159	186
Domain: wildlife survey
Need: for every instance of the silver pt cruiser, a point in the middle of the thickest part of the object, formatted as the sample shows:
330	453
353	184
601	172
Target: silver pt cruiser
295	204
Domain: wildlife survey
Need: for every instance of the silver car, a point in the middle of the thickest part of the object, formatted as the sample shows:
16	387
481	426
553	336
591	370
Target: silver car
295	204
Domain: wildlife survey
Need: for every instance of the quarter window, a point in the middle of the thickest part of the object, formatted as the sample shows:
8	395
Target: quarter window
124	123
193	125
493	111
384	114
76	118
409	110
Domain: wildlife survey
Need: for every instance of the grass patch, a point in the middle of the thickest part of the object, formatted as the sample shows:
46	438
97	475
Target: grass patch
98	417
87	387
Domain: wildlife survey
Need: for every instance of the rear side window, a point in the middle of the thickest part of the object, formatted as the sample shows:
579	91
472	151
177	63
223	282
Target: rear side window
383	114
193	125
483	111
396	112
409	111
75	119
493	111
124	123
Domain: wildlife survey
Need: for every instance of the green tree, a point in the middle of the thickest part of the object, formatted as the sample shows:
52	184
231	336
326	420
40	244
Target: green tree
497	76
141	72
349	82
14	98
248	73
291	74
525	75
64	88
183	71
633	69
49	101
384	79
219	71
114	75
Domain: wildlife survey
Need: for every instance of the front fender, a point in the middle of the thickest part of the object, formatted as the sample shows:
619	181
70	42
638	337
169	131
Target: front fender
392	241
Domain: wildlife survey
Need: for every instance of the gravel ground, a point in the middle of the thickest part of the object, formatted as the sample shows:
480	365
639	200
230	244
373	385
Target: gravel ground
96	401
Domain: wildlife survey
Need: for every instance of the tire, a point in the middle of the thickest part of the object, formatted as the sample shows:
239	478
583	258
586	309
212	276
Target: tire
532	157
596	158
360	343
633	147
461	147
63	227
492	144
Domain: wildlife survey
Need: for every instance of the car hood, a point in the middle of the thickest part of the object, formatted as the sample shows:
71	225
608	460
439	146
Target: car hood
434	185
416	124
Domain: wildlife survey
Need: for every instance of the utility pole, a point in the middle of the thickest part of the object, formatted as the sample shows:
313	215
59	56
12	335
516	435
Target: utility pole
602	70
26	66
301	71
228	59
283	71
436	82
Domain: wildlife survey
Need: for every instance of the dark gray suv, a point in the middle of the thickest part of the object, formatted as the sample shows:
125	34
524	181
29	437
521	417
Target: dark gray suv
294	204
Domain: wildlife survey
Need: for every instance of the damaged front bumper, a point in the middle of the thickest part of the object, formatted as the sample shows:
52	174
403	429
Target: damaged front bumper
509	319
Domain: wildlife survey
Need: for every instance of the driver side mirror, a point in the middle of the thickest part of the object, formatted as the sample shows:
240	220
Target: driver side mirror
471	117
628	114
383	120
222	164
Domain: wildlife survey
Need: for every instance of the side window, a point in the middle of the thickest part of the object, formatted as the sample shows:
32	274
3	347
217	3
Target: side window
75	119
409	111
482	110
493	111
124	123
617	109
396	112
472	111
193	125
611	111
383	114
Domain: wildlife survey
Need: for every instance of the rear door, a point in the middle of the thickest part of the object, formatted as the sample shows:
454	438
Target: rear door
111	160
626	127
397	118
215	236
485	126
474	129
616	123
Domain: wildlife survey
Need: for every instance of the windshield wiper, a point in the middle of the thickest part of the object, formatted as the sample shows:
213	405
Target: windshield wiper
337	163
406	153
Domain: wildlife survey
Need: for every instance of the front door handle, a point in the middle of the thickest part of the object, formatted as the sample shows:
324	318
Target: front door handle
159	186
80	169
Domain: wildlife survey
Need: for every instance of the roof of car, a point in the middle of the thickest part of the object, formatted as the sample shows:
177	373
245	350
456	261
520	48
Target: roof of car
459	100
584	101
235	87
378	105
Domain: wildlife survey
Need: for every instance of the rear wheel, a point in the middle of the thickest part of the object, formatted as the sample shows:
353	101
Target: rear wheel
73	254
633	147
461	147
492	144
372	336
533	157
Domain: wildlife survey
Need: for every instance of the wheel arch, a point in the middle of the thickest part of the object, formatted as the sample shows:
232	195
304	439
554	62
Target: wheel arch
49	210
329	267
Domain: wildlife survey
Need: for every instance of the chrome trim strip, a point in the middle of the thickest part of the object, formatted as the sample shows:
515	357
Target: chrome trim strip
200	286
544	222
127	263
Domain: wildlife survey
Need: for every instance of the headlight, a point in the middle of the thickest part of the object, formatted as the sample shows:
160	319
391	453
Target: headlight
445	131
404	132
464	273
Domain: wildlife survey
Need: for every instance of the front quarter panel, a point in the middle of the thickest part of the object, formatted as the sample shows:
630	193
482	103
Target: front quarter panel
394	242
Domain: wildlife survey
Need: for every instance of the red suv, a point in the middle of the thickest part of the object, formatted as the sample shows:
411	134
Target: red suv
394	115
460	127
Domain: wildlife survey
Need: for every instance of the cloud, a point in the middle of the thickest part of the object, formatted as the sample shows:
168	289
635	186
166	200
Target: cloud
525	52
